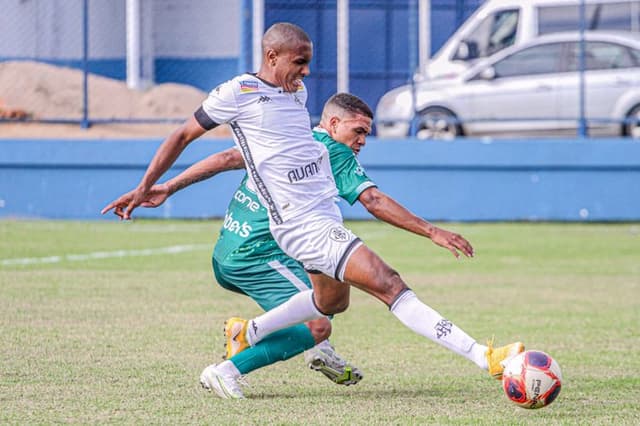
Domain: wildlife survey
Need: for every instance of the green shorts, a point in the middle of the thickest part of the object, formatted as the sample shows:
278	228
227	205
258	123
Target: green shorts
269	281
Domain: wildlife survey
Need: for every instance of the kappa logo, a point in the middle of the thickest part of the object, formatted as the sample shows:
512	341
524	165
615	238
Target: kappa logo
264	99
339	234
297	100
443	328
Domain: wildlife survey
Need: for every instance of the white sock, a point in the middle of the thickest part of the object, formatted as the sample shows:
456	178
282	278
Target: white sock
300	308
425	321
324	345
228	368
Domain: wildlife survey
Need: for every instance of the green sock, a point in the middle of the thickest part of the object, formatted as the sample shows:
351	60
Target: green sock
278	346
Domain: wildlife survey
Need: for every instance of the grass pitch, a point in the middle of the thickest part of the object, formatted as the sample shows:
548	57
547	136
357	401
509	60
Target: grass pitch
105	322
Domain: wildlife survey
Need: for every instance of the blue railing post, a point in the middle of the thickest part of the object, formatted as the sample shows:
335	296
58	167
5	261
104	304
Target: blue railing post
582	122
413	49
245	59
85	65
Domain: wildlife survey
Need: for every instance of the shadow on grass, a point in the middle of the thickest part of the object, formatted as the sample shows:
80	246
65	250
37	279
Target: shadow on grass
361	393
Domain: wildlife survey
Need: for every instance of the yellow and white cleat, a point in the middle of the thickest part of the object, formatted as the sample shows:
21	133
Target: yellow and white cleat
235	333
497	358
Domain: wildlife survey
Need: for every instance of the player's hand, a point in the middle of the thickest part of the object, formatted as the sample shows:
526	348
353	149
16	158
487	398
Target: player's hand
453	242
124	206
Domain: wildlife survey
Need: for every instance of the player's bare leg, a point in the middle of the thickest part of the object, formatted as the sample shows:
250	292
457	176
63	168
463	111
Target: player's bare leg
368	272
330	296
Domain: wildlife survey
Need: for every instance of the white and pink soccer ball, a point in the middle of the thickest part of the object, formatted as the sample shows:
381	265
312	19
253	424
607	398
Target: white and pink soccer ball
532	379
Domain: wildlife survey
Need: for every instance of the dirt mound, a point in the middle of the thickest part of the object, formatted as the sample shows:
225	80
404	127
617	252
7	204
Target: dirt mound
51	92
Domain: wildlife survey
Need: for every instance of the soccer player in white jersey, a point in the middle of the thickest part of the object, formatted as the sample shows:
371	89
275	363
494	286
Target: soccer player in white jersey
291	174
248	261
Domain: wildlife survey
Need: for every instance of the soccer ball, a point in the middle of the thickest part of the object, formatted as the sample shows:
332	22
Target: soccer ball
532	379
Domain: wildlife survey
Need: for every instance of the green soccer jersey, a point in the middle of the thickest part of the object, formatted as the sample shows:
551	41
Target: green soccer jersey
245	233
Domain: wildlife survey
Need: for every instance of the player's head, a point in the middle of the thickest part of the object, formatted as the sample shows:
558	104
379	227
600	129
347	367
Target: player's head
347	119
286	53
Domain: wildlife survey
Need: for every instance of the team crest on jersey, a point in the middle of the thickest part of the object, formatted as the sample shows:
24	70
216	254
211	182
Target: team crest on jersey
248	86
339	234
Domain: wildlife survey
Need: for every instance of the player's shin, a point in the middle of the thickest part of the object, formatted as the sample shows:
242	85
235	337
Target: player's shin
279	346
426	321
300	308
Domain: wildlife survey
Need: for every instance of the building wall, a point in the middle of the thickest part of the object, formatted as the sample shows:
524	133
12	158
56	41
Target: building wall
52	29
194	42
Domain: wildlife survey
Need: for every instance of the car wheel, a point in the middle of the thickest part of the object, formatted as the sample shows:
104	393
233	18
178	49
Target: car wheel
438	123
632	125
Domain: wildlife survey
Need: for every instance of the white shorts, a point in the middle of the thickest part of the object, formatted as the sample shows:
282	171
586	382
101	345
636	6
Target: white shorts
318	240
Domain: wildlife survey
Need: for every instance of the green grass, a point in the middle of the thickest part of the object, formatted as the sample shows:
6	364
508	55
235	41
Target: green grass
123	340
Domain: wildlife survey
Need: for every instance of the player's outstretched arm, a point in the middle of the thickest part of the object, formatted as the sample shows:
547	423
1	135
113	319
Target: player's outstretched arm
229	159
164	158
389	210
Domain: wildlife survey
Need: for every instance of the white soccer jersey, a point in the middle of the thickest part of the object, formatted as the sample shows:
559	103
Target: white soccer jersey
289	170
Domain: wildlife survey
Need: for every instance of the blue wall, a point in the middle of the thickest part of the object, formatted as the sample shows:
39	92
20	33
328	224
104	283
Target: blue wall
465	180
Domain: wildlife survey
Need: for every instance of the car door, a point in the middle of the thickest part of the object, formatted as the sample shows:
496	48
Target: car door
610	71
517	94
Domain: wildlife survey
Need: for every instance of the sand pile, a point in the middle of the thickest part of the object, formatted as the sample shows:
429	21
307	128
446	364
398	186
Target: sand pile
50	92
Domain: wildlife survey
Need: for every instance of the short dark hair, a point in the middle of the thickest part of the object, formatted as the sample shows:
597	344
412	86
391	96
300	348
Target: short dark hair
350	103
281	34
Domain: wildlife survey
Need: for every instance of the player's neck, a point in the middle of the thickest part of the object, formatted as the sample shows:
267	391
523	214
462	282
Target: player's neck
267	77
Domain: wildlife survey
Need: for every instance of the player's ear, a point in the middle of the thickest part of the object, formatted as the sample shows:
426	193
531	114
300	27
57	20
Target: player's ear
333	122
271	56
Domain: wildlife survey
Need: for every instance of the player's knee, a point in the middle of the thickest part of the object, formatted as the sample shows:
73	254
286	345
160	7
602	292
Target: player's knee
320	329
395	281
393	285
334	306
341	306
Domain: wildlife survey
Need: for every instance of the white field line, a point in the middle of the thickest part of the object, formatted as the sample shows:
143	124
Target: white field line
103	255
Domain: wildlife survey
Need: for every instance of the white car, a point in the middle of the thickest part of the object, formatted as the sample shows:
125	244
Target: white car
533	89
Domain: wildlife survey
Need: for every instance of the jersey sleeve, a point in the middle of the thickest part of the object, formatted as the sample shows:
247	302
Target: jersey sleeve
219	107
349	175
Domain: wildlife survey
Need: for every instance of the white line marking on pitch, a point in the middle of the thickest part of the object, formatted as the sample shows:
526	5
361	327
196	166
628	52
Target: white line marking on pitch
103	255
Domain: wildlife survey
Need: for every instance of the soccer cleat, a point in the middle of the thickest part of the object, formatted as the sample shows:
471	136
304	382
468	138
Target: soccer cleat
497	357
225	386
323	358
235	333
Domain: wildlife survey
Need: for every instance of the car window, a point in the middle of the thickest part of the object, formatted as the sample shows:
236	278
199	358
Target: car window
503	31
600	56
539	59
605	16
635	54
494	33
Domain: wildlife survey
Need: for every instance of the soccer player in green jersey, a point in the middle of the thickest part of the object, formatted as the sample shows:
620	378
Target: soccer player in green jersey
247	260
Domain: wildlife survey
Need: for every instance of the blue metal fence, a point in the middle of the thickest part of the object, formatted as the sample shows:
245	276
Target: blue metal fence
200	43
196	44
379	37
